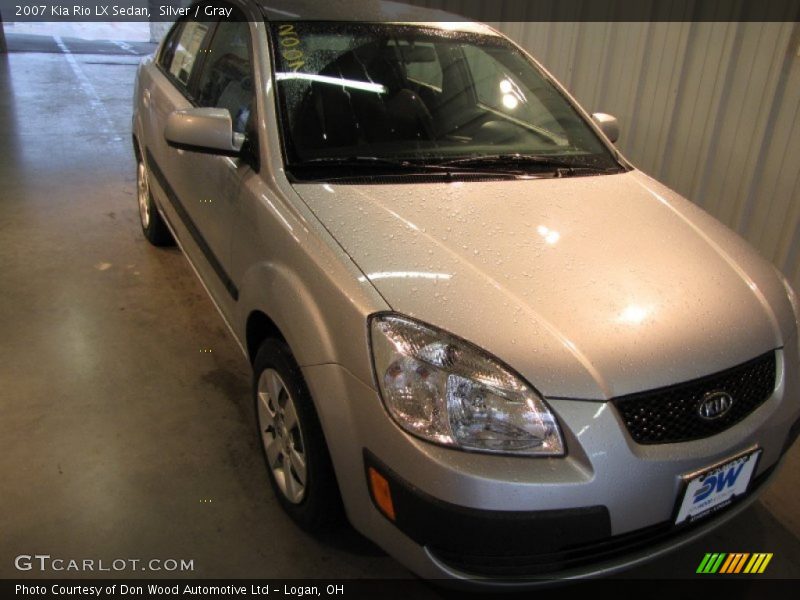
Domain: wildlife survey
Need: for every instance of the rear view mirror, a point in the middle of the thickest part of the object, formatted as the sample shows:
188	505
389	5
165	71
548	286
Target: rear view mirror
608	125
208	130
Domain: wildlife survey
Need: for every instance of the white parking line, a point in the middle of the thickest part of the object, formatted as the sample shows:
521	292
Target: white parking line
106	124
125	46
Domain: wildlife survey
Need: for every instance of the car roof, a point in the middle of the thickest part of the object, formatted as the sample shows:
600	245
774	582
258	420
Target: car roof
368	11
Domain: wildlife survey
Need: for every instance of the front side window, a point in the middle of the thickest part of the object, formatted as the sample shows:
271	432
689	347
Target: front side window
226	80
408	93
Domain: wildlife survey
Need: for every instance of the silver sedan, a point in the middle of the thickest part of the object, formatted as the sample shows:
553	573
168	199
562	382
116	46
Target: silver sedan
476	330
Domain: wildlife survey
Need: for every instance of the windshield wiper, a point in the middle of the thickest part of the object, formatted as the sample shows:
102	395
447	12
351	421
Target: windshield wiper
356	160
404	165
521	161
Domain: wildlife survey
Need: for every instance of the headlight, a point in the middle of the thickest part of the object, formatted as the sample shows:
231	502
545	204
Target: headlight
446	390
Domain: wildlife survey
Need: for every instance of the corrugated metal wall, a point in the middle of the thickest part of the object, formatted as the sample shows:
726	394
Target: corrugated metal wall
710	109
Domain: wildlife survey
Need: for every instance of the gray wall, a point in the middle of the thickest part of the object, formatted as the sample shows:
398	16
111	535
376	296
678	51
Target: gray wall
711	109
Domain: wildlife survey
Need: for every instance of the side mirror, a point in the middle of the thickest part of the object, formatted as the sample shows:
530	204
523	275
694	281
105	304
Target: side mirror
608	125
208	130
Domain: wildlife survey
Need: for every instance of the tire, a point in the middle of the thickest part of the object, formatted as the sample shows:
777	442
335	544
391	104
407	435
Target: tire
153	226
304	484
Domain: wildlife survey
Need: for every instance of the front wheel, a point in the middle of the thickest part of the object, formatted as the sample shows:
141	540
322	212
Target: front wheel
295	451
153	226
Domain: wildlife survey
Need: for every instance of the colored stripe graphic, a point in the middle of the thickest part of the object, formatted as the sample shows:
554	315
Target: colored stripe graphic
703	563
717	563
711	562
753	563
728	562
758	563
709	568
766	562
735	562
701	568
740	564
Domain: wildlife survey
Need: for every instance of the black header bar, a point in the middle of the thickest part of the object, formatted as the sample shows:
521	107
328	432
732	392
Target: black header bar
473	10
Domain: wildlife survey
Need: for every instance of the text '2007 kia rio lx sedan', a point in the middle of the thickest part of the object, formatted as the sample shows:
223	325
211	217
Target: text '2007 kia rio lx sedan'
474	327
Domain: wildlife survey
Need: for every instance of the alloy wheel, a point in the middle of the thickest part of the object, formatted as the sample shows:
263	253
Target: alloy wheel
282	436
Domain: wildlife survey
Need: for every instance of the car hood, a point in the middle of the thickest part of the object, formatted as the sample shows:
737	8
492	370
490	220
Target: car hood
590	287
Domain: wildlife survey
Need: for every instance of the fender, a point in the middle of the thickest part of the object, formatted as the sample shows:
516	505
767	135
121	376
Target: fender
302	296
278	292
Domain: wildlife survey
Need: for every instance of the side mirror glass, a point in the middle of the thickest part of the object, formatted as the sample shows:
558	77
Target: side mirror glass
208	130
608	125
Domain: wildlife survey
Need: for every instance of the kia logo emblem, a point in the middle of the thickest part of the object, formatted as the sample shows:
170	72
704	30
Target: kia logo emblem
714	405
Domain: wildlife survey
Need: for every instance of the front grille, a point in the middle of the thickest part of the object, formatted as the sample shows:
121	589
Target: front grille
671	414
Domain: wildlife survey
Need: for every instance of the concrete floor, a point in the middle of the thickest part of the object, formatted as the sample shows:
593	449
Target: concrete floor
118	437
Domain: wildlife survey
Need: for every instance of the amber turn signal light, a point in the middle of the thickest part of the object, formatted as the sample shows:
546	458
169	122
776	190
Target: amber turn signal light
381	493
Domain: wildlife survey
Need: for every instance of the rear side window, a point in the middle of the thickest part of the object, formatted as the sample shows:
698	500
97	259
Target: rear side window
186	50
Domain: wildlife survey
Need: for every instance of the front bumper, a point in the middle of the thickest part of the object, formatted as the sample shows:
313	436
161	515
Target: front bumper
506	545
622	495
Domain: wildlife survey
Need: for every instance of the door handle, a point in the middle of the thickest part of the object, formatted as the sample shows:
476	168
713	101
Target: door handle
146	98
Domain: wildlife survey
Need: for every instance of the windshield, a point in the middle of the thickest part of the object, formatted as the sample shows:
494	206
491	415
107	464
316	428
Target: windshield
374	94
